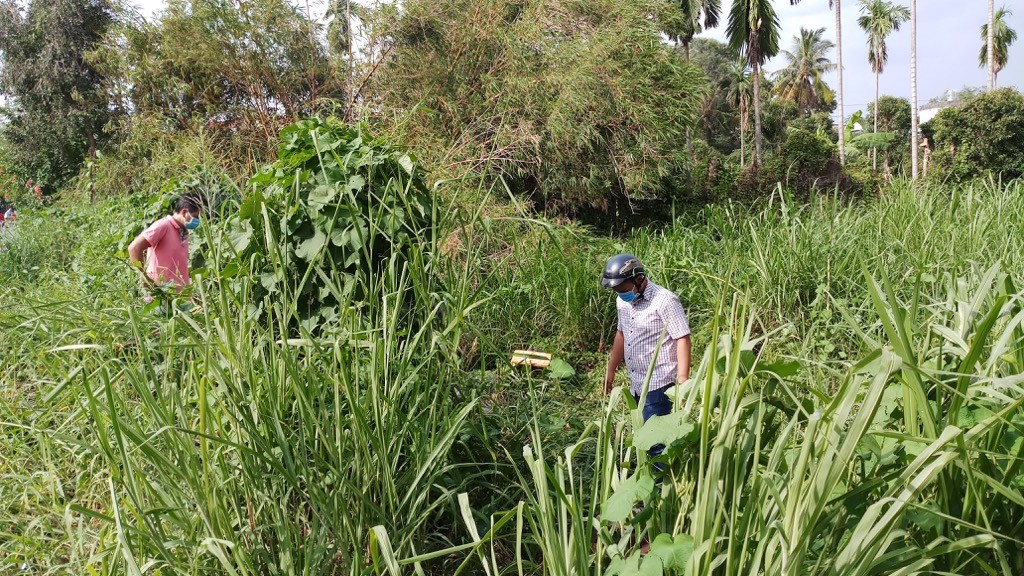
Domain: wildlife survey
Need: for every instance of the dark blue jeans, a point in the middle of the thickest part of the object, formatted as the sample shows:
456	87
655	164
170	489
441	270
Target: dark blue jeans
657	404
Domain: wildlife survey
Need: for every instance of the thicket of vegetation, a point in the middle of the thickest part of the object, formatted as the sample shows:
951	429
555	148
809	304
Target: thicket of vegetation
398	200
855	407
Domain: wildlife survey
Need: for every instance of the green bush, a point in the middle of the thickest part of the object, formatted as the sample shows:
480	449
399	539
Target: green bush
776	116
581	103
807	150
894	117
758	180
985	135
811	165
335	200
807	164
871	181
709	180
151	157
818	123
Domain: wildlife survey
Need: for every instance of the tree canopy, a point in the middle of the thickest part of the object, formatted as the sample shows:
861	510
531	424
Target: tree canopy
578	103
57	110
802	80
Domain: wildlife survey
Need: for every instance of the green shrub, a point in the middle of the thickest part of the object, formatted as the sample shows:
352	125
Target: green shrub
335	200
811	165
152	155
806	165
758	180
894	117
583	115
819	123
807	150
709	180
985	135
871	181
776	116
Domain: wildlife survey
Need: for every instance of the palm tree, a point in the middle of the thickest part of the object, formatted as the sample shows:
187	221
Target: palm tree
1000	39
913	90
740	86
802	80
754	31
839	73
683	25
990	43
839	79
878	19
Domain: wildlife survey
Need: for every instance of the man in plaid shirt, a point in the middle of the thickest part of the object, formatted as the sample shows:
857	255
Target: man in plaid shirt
652	331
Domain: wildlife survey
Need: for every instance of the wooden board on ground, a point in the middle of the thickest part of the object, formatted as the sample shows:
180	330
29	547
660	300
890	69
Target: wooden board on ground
531	358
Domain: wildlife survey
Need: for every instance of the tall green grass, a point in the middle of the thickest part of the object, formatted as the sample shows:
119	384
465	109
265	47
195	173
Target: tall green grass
770	473
218	443
855	408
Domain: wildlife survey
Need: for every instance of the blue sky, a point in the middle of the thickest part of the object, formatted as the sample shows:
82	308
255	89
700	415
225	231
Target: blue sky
948	40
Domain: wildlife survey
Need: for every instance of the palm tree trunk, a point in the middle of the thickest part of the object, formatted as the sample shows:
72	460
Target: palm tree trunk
913	89
351	69
991	44
743	130
757	113
874	152
839	71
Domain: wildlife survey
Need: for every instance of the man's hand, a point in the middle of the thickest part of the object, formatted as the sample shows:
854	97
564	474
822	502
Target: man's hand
609	383
137	257
683	359
614	359
144	278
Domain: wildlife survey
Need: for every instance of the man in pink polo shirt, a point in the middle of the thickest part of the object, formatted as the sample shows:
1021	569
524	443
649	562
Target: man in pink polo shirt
167	243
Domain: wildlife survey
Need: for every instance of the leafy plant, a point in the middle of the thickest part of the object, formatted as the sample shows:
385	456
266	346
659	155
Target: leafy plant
984	135
333	210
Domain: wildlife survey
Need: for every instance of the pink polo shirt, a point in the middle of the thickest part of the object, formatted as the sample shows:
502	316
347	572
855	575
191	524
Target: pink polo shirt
168	255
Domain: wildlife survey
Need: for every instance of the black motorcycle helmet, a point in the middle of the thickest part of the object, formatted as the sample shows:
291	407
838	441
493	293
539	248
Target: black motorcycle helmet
620	268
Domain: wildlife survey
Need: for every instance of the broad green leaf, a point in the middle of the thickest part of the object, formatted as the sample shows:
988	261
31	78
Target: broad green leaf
642	565
665	430
560	369
308	249
615	568
240	236
406	162
781	368
355	183
674	552
323	194
619	505
925	518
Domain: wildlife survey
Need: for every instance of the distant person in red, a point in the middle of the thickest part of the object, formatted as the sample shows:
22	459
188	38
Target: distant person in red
165	243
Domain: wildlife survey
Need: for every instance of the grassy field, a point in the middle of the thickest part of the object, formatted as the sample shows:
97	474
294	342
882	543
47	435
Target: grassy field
855	406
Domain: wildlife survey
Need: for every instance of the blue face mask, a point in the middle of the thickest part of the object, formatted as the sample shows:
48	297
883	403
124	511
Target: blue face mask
627	296
193	223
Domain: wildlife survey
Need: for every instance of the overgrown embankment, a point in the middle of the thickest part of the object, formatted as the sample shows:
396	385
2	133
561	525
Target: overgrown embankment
854	398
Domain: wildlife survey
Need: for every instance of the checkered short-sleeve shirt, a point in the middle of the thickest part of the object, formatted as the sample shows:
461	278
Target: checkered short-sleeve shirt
641	323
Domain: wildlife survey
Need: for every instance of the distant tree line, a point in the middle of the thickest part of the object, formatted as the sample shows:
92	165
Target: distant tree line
578	107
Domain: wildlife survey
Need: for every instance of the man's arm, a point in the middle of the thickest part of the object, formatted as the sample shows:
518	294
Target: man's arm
617	356
137	254
683	358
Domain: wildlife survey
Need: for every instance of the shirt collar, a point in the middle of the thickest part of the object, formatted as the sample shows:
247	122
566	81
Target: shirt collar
649	292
